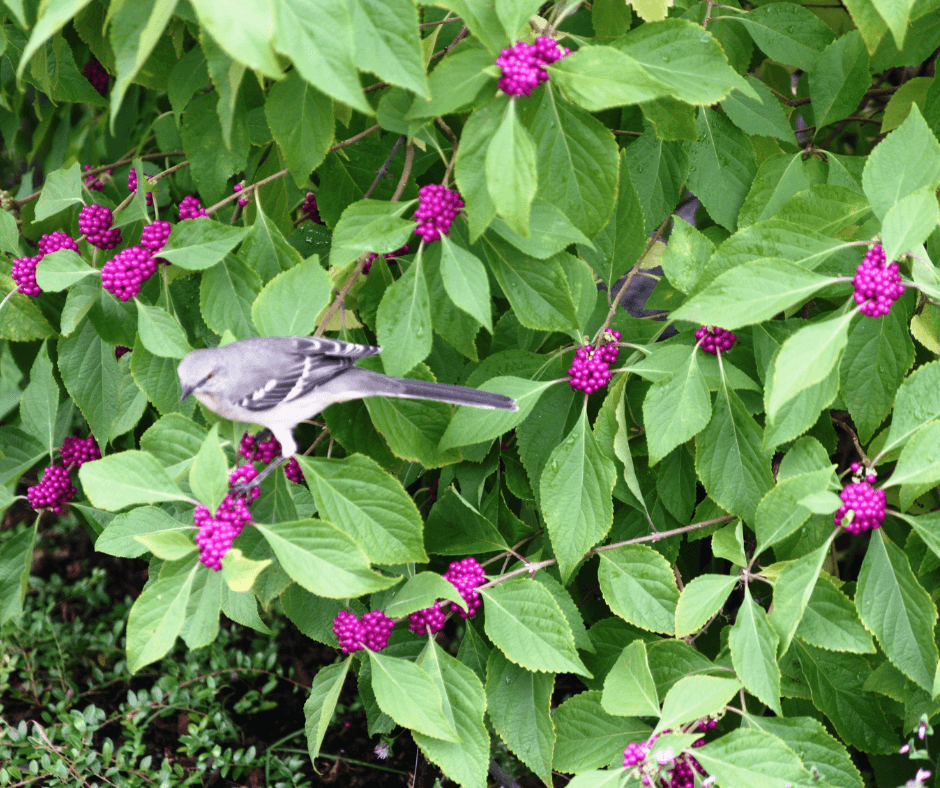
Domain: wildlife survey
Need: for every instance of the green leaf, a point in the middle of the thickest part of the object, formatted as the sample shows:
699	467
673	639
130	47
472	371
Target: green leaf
588	737
39	405
576	487
839	79
265	250
410	697
173	439
792	593
168	545
685	256
120	537
701	599
245	31
301	119
288	305
515	14
323	559
659	170
60	270
907	160
403	321
470	170
753	645
464	705
804	359
722	165
455	527
526	624
731	760
239	572
200	243
455	83
227	75
779	177
369	226
394	49
321	703
226	296
322	47
419	592
189	75
511	172
878	355
729	458
831	621
751	293
61	189
16	559
894	605
908	223
159	612
518	702
639	586
780	512
897	16
360	497
578	162
537	289
629	689
466	282
127	478
788	33
211	166
762	115
483	21
676	409
208	478
695	697
160	333
917	402
52	17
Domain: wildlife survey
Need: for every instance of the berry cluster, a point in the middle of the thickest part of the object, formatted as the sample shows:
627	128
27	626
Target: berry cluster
292	471
77	451
120	350
191	208
590	369
524	64
666	771
465	576
310	209
54	489
268	450
388	256
877	285
714	339
124	273
94	72
95	222
24	268
153	237
242	201
93	183
430	620
867	504
217	532
370	632
132	185
438	206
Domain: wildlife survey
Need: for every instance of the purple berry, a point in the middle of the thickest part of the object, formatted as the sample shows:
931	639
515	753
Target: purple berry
370	632
241	200
266	450
388	256
120	350
877	286
310	208
867	503
76	451
24	274
376	628
191	208
635	753
153	236
465	576
292	471
53	242
54	489
95	184
714	339
348	630
523	65
244	474
438	206
95	222
94	72
216	533
429	620
132	185
589	370
123	274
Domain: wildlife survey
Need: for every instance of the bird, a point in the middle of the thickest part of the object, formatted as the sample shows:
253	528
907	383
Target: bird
278	382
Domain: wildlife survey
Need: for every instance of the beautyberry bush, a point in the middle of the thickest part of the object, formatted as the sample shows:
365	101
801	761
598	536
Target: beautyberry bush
698	245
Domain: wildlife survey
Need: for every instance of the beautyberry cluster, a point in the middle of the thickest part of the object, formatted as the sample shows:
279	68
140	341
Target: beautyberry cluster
465	576
54	489
124	273
388	256
191	208
77	451
24	268
95	222
94	72
438	206
590	369
867	504
714	339
267	450
430	620
241	200
93	183
666	770
877	285
310	209
524	64
132	185
355	634
217	532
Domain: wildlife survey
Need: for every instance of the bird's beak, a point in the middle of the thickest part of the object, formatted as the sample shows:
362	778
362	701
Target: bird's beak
187	392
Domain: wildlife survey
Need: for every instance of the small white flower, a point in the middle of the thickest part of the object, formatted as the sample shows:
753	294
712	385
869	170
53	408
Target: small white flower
381	750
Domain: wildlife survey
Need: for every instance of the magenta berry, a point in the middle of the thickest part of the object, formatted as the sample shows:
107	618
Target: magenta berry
120	350
53	242
877	285
244	474
635	753
429	620
867	503
310	208
95	222
266	450
77	451
589	371
714	339
523	65
191	208
132	184
123	275
216	533
54	489
93	183
348	630
153	236
292	471
388	256
24	274
241	200
94	72
376	627
438	206
465	576
370	632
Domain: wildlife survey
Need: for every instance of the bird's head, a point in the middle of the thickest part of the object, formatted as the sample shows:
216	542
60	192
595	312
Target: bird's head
202	372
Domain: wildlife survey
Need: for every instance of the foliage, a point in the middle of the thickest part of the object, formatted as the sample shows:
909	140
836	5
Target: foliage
631	537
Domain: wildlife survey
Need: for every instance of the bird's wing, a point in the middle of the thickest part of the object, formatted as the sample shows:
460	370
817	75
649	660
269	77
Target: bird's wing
311	362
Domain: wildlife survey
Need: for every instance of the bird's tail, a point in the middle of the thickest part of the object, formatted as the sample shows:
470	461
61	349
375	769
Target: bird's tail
408	388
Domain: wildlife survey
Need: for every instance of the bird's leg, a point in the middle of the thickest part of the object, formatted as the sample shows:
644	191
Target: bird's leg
243	488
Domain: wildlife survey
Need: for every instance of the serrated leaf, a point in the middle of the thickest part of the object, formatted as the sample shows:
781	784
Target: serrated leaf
119	537
753	645
792	593
702	598
419	592
369	226
288	305
839	79
160	333
639	586
780	512
321	703
208	477
831	621
629	689
403	321
695	697
167	545
39	404
788	33
127	478
301	119
200	243
466	282
62	269
588	737
731	760
908	223
61	189
511	172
